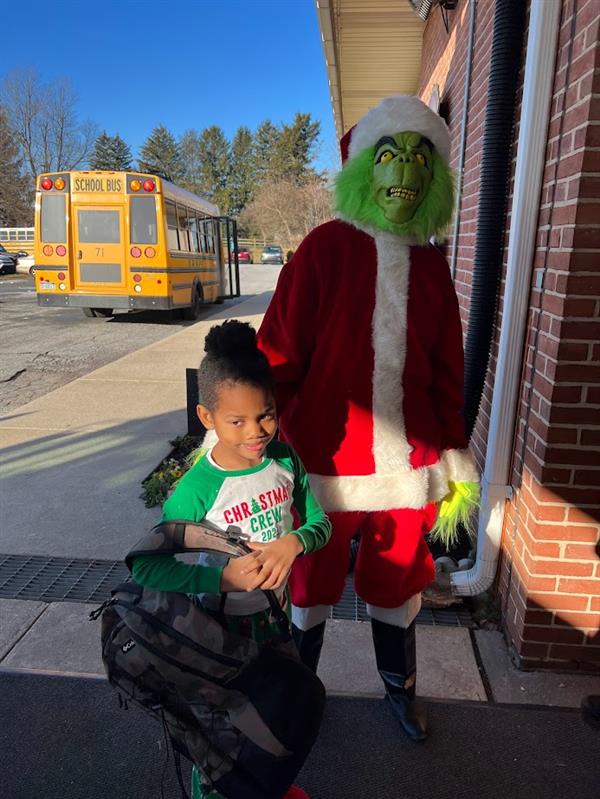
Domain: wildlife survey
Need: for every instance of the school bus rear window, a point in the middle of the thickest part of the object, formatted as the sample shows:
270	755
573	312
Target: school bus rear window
99	227
54	220
143	220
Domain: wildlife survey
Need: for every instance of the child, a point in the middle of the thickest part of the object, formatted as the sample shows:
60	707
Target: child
249	480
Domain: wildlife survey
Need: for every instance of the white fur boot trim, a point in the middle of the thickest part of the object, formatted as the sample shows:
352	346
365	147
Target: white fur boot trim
306	618
398	617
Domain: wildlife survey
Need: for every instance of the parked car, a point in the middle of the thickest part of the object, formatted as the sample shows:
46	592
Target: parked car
25	265
8	262
271	254
244	255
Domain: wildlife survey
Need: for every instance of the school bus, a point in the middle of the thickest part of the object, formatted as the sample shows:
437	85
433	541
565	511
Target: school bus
125	241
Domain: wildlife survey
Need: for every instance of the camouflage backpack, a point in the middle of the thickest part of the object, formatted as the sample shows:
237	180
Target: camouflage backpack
247	714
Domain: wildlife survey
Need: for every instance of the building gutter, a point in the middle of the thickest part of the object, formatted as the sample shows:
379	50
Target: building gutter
325	13
537	94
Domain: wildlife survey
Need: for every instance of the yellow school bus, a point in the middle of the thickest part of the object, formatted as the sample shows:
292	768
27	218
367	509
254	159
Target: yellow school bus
119	241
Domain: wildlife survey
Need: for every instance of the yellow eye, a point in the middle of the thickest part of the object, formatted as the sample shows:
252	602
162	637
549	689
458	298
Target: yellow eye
387	156
420	158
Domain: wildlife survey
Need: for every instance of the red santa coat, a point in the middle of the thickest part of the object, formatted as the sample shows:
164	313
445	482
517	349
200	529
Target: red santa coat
364	337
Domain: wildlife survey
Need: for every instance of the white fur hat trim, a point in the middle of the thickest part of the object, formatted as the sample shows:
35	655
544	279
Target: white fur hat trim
399	113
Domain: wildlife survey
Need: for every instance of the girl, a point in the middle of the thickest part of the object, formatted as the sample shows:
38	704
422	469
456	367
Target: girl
249	480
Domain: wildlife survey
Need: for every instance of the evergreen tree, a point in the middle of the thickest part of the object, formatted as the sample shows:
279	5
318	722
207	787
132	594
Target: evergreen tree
16	200
242	181
122	155
255	507
265	143
110	153
160	155
293	151
212	165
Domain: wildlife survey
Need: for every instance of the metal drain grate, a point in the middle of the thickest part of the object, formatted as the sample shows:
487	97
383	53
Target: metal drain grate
352	608
59	579
45	579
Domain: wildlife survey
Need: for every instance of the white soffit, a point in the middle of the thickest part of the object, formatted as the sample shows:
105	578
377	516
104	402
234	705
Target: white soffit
372	49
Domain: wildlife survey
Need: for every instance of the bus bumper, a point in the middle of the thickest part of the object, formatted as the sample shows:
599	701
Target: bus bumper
135	303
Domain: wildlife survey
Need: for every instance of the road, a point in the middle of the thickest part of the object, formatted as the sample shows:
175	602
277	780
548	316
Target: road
44	348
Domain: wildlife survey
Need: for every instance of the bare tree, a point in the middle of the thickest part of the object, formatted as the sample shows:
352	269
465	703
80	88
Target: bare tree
284	212
44	120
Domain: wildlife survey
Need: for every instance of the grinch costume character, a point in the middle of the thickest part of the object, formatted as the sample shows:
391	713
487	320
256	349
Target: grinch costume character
364	338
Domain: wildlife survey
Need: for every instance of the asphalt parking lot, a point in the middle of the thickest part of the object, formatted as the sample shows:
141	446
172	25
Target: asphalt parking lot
44	348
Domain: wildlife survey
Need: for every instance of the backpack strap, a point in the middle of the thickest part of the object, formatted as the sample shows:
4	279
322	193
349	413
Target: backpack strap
181	535
173	537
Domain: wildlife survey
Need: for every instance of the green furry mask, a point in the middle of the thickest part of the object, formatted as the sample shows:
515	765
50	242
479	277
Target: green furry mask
405	167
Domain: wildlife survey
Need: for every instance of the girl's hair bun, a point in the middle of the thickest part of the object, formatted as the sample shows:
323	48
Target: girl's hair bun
231	340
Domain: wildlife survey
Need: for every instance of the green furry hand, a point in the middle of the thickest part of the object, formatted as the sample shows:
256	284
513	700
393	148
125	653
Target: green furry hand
455	509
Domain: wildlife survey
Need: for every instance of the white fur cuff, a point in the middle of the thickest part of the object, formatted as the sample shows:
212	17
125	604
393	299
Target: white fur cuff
459	466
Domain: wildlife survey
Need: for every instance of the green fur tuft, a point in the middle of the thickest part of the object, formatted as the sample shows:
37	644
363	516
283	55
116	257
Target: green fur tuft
353	199
457	509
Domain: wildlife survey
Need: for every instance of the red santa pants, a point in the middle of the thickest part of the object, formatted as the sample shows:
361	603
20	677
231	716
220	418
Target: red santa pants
393	562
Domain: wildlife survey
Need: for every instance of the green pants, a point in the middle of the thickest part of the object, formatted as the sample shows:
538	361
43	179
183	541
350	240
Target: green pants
260	627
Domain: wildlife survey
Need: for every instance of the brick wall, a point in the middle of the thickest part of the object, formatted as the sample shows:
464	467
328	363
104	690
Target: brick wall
549	575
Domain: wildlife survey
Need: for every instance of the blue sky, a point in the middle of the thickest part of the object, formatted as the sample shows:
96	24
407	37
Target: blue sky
188	64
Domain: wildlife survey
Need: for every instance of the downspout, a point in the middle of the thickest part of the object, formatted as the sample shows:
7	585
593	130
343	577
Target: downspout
537	94
463	135
507	38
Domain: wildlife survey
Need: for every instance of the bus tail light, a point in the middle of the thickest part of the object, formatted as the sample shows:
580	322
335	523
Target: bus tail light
149	185
60	250
149	252
48	250
62	286
137	288
59	184
61	275
135	252
137	278
46	184
135	185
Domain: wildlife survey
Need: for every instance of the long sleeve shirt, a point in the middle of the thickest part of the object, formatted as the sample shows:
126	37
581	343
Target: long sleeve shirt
258	500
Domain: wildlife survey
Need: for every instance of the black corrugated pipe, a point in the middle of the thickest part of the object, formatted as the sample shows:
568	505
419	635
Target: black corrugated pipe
509	23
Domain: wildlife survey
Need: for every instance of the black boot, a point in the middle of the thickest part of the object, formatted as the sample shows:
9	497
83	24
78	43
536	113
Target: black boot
396	656
309	644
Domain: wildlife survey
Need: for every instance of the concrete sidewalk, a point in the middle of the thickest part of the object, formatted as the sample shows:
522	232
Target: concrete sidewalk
72	466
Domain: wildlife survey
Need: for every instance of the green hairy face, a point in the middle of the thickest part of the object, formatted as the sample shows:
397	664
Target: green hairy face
402	173
401	185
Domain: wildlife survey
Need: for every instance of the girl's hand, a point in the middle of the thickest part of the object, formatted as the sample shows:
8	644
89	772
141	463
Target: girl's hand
240	573
275	561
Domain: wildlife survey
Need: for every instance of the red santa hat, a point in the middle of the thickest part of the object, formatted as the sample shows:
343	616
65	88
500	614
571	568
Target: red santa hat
394	114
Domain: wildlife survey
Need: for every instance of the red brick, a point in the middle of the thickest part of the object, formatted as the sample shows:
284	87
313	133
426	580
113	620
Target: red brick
590	437
578	330
587	213
566	394
595	603
558	567
528	649
537	616
572	351
587	621
587	477
581	551
552	635
571	415
579	516
578	586
582	372
559	601
554	476
575	457
586	284
577	653
566	532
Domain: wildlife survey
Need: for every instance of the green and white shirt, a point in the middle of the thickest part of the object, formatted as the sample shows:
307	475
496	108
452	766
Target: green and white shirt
258	500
